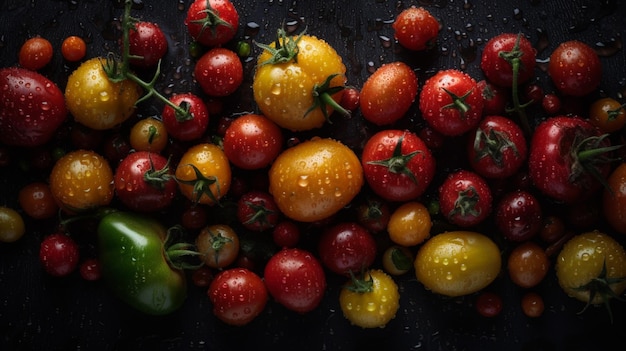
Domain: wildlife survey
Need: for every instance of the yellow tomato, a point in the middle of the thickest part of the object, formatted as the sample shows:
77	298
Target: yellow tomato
409	224
371	301
203	174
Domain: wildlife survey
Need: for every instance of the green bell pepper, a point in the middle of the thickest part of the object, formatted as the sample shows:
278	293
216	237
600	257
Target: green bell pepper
138	266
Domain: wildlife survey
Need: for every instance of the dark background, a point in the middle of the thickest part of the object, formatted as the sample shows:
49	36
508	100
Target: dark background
38	312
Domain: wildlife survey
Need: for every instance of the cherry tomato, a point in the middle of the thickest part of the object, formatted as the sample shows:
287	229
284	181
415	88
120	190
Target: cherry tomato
350	99
388	93
252	141
551	103
73	48
148	134
37	201
186	127
146	43
416	28
218	245
373	213
286	234
89	269
607	114
518	215
59	254
370	301
315	179
528	264
203	174
35	53
397	260
532	304
495	98
212	22
465	198
12	225
409	224
82	180
499	54
219	72
347	248
575	68
457	263
488	304
238	296
257	211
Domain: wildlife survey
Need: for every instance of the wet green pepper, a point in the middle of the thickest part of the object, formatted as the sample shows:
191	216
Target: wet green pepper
138	265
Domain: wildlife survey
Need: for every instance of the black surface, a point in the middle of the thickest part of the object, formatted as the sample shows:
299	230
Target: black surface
38	312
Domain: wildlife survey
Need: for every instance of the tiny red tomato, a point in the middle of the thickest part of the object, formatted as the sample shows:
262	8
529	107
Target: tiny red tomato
373	214
238	296
59	254
147	44
347	248
551	103
37	201
532	304
465	198
416	28
257	211
73	48
575	68
252	141
286	234
518	215
90	269
350	99
202	276
528	264
488	304
189	126
219	72
35	53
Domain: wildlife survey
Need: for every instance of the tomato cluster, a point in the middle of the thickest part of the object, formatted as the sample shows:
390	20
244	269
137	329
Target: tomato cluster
264	205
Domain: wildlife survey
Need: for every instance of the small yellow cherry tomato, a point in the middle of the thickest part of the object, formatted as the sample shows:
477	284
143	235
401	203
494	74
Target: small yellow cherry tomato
11	225
148	134
370	301
204	174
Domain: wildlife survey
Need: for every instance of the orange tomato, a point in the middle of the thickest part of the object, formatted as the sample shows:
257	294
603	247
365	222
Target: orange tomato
73	48
409	224
148	134
35	53
204	174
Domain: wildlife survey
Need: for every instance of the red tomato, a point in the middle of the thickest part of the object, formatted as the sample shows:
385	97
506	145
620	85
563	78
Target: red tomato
397	165
489	304
37	201
416	29
252	141
528	265
238	296
575	68
286	234
499	54
295	279
373	214
518	216
32	107
35	53
219	72
144	182
59	254
451	102
347	248
497	148
495	98
73	48
465	198
90	269
567	155
388	93
147	41
212	22
190	126
257	211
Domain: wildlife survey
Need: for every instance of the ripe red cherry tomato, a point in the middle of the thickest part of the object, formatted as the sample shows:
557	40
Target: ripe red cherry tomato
59	254
416	28
252	141
146	41
35	53
575	68
347	248
219	72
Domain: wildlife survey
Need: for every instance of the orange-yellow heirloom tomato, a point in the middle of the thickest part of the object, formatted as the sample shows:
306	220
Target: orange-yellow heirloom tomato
204	174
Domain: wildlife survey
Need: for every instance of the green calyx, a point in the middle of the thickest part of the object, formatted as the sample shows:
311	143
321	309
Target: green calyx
260	216
285	48
492	145
458	102
398	162
589	153
178	253
465	204
322	97
157	177
601	286
360	285
211	20
201	185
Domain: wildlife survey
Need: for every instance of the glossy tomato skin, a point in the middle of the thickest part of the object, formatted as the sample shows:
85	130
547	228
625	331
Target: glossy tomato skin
205	163
388	93
518	216
82	180
59	254
528	264
186	128
144	182
257	211
497	148
497	69
457	263
204	21
397	164
238	296
313	180
252	141
12	225
97	102
553	162
416	28
147	40
373	307
614	199
575	68
409	224
607	114
29	97
465	198
295	278
219	72
284	91
451	102
346	248
35	53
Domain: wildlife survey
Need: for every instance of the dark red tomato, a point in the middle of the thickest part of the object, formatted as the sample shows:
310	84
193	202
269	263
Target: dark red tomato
147	41
465	198
286	234
252	141
551	103
238	296
350	98
144	182
388	93
219	72
451	102
295	279
186	126
59	254
257	211
89	269
416	28
528	264
347	248
397	165
432	138
497	148
488	304
495	98
532	304
566	157
37	201
504	51
575	68
212	22
519	216
35	53
32	107
373	214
